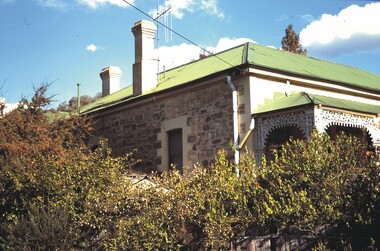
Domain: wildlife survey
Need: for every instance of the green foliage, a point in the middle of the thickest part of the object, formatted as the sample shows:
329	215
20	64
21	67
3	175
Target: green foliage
320	182
43	228
91	185
309	184
57	195
210	209
29	146
46	164
214	203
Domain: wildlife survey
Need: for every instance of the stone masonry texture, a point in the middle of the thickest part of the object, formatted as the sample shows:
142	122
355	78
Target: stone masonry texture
209	115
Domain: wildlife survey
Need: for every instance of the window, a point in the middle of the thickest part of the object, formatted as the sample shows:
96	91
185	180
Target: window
175	149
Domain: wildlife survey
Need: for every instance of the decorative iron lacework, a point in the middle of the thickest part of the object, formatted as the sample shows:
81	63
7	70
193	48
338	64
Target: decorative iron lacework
318	118
325	118
303	120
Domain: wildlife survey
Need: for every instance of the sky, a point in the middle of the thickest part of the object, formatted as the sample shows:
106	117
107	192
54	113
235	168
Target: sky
65	42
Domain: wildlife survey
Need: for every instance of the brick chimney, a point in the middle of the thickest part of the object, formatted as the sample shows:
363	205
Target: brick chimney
110	80
144	68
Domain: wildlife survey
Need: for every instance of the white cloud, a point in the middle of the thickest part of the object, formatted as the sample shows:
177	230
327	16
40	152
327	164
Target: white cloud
177	55
173	56
226	43
8	107
178	8
211	7
56	4
96	3
92	47
354	28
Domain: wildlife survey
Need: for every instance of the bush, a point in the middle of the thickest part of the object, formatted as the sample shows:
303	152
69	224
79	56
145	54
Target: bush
42	228
45	165
58	195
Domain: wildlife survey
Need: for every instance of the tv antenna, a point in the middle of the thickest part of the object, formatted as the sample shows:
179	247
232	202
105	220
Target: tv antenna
163	16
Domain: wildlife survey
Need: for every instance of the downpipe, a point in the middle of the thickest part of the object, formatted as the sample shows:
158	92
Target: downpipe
235	118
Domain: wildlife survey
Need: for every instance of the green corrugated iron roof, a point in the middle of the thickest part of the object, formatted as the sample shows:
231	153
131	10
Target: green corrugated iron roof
109	100
311	67
176	77
304	99
255	55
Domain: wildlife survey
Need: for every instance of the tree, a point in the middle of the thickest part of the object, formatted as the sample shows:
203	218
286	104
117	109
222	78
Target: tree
72	105
51	181
29	130
290	42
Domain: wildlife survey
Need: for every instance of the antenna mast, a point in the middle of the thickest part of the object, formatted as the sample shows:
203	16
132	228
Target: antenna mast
163	15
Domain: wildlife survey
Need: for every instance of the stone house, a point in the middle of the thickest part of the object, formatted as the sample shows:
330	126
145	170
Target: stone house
251	95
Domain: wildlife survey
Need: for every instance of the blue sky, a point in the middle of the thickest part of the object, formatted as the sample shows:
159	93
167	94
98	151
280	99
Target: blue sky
70	41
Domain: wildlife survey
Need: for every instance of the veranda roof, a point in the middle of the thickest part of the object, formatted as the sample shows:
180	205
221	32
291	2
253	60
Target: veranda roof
303	99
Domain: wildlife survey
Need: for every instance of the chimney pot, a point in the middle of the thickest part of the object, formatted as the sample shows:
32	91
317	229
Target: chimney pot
110	80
